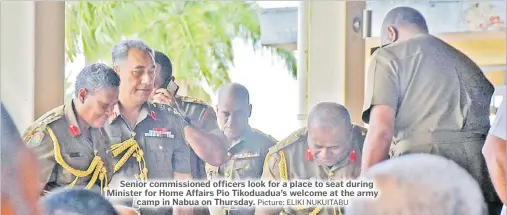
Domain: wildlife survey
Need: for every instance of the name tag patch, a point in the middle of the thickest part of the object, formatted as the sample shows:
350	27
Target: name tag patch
245	155
159	132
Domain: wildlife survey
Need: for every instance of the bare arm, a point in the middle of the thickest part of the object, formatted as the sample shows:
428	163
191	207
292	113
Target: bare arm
494	153
380	106
209	146
379	136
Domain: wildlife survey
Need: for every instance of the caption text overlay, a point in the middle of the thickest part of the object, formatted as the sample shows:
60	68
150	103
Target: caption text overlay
258	193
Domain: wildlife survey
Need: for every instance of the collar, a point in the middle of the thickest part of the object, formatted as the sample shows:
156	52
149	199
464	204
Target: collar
74	127
146	110
240	143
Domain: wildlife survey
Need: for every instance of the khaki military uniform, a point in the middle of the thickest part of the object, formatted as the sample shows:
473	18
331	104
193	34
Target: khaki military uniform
287	161
203	116
246	160
154	149
441	99
70	154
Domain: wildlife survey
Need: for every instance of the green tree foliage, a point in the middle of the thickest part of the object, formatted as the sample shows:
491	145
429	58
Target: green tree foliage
196	35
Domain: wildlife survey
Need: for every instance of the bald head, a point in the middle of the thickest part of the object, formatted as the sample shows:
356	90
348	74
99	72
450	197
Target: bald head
233	110
420	184
19	187
233	91
401	23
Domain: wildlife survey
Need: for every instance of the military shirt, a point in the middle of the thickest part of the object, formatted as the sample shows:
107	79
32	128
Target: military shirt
203	116
246	157
436	91
158	133
287	161
64	148
246	161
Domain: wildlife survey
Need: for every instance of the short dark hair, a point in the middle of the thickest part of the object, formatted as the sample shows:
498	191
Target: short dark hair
166	68
121	49
79	201
405	15
95	77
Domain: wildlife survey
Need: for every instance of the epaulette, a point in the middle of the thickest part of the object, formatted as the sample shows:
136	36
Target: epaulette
292	138
265	135
361	129
44	120
190	99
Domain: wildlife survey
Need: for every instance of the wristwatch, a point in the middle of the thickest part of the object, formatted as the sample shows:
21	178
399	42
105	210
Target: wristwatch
187	121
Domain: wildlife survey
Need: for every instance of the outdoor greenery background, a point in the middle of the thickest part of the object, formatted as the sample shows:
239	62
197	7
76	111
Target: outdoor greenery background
196	35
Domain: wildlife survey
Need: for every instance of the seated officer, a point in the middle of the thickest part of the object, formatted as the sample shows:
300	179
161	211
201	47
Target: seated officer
248	147
69	141
329	148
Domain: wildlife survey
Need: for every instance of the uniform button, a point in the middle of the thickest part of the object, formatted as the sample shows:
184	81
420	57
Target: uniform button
227	174
160	147
246	167
228	154
330	174
363	133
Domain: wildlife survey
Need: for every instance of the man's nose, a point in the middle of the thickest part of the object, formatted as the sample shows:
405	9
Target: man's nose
147	78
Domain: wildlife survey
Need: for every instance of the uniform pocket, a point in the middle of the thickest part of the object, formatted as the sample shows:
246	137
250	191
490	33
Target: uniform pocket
159	153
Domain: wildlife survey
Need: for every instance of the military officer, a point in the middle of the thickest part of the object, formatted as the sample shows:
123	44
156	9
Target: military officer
150	140
329	148
69	141
19	187
424	96
195	109
247	146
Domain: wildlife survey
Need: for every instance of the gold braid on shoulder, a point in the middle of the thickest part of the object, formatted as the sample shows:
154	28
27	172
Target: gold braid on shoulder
133	149
96	166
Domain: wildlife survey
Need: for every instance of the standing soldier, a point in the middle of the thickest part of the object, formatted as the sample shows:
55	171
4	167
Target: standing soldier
248	147
69	141
329	148
196	110
149	139
424	96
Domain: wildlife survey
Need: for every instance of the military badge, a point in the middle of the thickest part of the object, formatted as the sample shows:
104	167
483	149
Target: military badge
36	139
159	132
272	161
245	155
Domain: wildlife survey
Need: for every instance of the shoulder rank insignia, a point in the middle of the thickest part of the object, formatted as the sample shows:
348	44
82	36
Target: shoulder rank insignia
36	138
272	161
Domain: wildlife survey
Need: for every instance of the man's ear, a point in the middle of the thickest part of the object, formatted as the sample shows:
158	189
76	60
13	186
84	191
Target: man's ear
117	69
392	33
82	94
250	111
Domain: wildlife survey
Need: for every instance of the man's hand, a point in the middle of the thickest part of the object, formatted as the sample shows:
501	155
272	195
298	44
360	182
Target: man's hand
162	96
